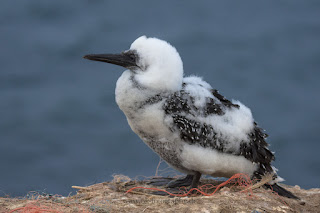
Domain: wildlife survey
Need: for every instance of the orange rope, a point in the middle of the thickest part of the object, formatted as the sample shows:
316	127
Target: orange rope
30	208
243	180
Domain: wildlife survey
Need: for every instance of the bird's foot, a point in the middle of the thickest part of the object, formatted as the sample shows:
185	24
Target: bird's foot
168	192
159	181
174	186
186	181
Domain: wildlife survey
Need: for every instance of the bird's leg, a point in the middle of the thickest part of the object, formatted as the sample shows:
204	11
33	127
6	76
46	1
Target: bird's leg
195	181
186	181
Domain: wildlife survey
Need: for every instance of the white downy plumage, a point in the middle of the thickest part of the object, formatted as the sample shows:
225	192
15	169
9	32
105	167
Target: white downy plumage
187	123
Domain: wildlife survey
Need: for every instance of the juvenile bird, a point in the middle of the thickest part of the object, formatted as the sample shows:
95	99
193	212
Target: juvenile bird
184	120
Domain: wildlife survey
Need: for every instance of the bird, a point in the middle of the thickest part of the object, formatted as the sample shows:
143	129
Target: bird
190	125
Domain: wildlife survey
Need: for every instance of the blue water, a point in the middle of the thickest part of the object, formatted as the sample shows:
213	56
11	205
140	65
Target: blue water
60	125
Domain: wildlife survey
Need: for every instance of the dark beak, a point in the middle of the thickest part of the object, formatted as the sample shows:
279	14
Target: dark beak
126	59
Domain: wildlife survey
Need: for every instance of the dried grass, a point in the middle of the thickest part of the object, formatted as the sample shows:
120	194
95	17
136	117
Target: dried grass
122	195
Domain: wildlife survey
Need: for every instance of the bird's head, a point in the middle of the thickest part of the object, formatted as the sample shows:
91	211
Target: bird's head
155	63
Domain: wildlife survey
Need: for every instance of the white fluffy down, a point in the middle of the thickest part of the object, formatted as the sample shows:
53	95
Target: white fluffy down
129	98
198	89
196	80
234	126
212	162
160	63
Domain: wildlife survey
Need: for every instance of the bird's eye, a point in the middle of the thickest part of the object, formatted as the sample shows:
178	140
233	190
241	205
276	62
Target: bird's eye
132	54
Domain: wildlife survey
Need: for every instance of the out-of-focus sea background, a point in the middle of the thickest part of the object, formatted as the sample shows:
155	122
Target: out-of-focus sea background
60	125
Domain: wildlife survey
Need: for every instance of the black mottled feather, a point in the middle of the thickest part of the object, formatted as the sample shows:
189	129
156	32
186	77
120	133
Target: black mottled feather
197	133
257	151
153	100
223	100
281	191
179	102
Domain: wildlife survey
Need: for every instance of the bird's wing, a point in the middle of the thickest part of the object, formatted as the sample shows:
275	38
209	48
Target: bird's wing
190	121
257	151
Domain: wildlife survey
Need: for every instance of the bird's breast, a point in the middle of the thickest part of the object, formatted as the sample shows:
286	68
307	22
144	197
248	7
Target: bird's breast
146	120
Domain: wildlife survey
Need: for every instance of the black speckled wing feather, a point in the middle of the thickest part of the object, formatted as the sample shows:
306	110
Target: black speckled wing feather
257	151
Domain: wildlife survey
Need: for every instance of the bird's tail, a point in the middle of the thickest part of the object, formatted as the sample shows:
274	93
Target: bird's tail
281	191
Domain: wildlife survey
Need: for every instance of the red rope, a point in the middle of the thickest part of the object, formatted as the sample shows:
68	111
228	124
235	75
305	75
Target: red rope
243	180
30	208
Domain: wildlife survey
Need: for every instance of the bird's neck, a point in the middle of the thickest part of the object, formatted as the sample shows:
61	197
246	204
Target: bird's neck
161	78
130	93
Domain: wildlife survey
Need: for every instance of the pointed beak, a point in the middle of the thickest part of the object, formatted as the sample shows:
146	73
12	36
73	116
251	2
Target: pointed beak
126	59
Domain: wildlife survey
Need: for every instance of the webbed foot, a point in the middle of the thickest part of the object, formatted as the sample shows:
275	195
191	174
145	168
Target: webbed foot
159	181
186	181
